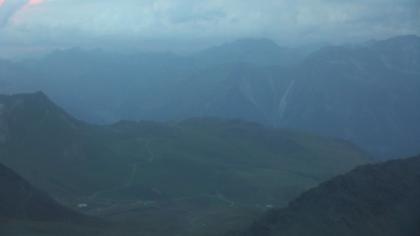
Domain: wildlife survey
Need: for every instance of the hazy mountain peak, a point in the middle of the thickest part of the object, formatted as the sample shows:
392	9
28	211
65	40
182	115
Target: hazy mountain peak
38	100
260	52
401	40
34	113
246	45
251	43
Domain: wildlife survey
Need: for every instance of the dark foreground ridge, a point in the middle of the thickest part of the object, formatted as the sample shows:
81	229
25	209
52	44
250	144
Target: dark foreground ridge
19	200
381	199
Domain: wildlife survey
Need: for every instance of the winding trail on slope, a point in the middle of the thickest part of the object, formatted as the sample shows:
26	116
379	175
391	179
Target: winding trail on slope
152	155
133	173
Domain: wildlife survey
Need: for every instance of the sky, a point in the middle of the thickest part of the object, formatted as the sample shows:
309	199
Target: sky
35	25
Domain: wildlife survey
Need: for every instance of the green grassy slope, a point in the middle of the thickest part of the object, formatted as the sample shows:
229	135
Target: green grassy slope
227	165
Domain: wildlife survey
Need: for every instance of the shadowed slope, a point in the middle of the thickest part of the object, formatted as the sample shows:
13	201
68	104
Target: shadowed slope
382	200
20	201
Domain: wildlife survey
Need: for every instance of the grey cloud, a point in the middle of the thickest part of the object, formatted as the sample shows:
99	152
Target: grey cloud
96	22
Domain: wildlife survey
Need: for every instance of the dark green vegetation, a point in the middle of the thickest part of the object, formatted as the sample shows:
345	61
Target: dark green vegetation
373	200
196	177
366	93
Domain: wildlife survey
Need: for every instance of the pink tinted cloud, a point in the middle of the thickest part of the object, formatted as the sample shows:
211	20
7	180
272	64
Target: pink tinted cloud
34	2
16	14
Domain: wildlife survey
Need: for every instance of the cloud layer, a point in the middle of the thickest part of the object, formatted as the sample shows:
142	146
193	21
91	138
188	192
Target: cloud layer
8	9
82	22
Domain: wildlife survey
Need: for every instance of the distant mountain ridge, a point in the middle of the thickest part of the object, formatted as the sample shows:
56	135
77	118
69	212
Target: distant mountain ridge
260	52
366	93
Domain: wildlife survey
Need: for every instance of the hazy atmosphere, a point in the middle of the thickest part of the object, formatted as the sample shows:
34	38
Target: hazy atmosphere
185	25
209	118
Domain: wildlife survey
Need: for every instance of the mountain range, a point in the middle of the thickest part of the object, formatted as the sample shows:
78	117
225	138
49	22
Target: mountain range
195	177
366	93
203	174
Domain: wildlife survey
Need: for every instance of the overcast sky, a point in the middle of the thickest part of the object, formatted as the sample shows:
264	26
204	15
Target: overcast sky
177	24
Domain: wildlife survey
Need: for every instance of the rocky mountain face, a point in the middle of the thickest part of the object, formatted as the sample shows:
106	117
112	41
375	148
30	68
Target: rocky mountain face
366	93
363	94
380	199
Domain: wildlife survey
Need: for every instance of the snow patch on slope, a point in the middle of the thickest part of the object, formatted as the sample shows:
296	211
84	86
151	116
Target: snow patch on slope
3	124
284	100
